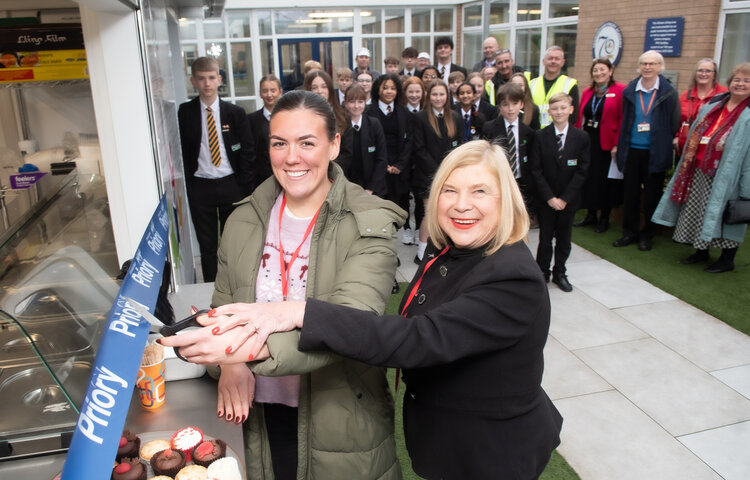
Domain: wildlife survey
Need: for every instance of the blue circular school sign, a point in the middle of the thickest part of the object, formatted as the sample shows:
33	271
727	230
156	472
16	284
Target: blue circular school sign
608	42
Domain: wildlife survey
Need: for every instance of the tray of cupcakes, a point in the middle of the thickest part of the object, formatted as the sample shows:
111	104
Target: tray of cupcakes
186	454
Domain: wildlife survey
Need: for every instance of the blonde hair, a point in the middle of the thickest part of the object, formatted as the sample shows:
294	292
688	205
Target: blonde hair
513	224
450	126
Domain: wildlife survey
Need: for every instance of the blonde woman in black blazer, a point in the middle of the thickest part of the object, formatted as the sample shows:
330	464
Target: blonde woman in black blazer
437	131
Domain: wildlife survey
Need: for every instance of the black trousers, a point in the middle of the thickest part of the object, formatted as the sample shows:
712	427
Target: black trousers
558	225
281	425
636	175
210	204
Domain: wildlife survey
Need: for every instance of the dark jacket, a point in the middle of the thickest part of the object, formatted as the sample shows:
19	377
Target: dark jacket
403	162
476	125
454	68
494	131
373	154
471	349
665	121
260	128
429	149
561	178
236	134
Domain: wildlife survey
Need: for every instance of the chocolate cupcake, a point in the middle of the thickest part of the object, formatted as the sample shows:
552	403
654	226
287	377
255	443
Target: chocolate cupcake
168	462
129	445
130	469
208	451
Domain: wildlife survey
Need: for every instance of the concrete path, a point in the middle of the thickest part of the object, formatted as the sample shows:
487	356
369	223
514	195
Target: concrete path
649	386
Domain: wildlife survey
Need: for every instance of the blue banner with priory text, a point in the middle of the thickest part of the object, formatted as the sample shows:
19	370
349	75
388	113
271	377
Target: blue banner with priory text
105	406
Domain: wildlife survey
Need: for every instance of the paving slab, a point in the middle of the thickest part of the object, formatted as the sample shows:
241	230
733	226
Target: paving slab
567	376
723	449
737	378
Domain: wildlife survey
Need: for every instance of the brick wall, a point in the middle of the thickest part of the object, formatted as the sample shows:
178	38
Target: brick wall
698	40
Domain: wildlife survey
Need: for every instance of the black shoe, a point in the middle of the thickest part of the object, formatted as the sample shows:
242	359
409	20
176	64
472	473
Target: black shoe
644	244
589	219
395	288
546	277
720	267
623	241
562	282
602	226
697	257
417	260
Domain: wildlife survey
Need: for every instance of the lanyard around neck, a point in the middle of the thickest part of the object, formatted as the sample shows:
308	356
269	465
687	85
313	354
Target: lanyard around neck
651	102
415	289
284	266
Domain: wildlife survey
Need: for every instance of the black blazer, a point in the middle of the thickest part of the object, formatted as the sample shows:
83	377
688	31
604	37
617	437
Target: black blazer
478	121
471	349
417	72
494	131
403	161
560	178
238	141
454	68
373	153
260	128
487	109
429	149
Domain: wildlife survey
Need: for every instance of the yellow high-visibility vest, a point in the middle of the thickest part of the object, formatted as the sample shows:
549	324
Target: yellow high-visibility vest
563	84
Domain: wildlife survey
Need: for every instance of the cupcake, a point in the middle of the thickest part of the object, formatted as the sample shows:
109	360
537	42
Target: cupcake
224	469
208	451
192	472
186	439
149	449
129	469
168	462
128	446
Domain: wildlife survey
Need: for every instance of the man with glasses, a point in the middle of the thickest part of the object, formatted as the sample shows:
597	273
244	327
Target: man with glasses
650	120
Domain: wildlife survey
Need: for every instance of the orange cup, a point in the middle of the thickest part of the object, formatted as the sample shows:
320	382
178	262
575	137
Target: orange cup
150	385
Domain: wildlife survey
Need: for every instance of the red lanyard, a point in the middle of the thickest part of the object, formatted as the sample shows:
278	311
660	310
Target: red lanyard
415	289
651	102
717	123
287	267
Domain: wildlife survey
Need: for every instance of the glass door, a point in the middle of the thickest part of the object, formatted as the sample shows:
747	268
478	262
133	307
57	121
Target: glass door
332	53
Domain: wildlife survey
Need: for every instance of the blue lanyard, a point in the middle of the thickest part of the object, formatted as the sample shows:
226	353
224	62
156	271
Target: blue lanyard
595	104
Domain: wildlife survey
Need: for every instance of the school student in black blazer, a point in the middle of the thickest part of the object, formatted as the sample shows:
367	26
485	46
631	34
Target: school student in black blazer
437	131
510	103
472	121
366	157
387	109
559	176
214	184
270	92
481	105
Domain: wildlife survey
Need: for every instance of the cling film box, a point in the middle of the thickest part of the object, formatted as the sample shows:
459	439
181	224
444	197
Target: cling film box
42	53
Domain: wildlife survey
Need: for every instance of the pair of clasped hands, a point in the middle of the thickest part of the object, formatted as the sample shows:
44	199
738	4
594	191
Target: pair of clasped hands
230	336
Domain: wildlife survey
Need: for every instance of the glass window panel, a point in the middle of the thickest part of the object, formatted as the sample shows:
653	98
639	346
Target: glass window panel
189	55
218	51
334	54
564	36
242	69
528	49
293	57
370	20
499	11
264	21
563	8
420	19
313	21
422	44
266	56
443	19
502	37
393	47
529	10
249	105
734	47
394	20
472	45
239	25
188	30
473	16
376	58
213	28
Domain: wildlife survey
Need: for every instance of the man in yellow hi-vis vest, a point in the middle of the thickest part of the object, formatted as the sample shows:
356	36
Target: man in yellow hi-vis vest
552	82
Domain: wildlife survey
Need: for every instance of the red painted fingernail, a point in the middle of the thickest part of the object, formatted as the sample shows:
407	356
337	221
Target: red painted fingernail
250	358
229	417
193	309
211	313
215	331
244	417
158	340
229	349
221	414
238	420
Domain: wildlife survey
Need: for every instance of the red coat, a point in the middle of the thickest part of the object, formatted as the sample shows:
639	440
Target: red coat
609	129
689	106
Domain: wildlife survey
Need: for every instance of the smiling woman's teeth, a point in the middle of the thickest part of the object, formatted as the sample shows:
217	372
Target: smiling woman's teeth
464	222
297	173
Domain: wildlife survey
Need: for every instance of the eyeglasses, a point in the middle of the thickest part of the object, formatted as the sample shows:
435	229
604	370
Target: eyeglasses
740	80
429	76
704	71
650	64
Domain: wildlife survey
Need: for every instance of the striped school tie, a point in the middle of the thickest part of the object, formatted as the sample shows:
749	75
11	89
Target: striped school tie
213	138
512	154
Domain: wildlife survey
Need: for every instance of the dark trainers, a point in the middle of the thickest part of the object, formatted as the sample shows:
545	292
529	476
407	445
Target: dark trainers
562	282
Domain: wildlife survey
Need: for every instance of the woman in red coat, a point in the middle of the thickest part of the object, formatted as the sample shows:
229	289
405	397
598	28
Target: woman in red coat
601	115
703	87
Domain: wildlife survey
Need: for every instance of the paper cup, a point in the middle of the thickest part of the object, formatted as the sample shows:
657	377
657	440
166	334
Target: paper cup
150	383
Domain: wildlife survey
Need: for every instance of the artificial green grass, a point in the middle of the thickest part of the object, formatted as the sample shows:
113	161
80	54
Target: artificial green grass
721	295
557	469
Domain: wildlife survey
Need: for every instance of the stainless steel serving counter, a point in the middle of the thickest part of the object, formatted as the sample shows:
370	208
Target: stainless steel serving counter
189	403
